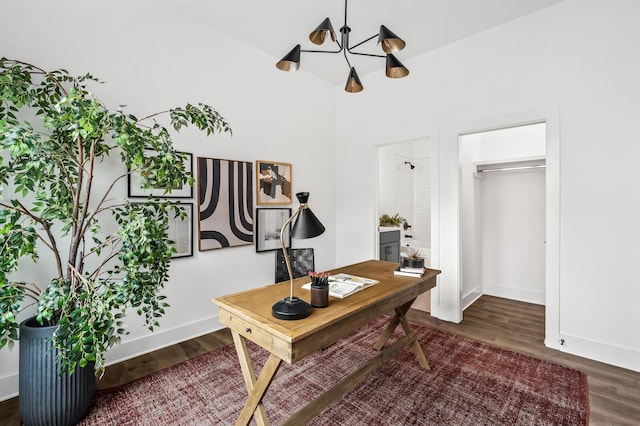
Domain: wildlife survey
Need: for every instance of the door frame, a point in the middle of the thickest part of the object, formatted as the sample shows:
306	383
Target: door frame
446	303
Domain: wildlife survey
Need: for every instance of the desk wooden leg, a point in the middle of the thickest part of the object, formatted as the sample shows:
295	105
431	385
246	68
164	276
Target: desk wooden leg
255	388
400	318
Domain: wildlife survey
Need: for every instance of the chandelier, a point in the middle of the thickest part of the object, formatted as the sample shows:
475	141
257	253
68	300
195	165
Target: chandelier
388	41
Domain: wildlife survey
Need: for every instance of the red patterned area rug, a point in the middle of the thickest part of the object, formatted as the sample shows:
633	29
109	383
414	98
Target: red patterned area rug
470	383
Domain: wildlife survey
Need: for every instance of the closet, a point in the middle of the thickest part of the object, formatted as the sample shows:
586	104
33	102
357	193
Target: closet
502	214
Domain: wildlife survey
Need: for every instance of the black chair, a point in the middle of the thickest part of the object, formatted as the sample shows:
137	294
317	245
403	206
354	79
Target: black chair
302	262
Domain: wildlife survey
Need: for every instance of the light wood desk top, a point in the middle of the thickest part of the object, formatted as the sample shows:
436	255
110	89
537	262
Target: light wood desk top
251	310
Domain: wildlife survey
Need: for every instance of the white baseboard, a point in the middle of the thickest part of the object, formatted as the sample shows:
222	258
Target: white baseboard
8	387
470	297
597	351
133	348
162	338
528	296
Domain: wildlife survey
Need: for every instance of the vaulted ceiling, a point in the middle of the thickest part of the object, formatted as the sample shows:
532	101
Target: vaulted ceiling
276	26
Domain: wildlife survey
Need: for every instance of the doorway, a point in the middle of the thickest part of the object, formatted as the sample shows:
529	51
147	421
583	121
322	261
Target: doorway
502	213
404	189
446	298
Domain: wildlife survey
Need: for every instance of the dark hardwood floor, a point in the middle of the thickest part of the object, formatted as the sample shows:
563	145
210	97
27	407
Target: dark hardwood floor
614	393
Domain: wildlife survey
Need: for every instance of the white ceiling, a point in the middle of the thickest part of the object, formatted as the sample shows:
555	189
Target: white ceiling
276	26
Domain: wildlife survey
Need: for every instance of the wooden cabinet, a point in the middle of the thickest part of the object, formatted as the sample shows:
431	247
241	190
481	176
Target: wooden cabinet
390	246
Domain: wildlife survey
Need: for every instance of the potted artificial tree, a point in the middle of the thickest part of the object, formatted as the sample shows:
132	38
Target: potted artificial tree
57	197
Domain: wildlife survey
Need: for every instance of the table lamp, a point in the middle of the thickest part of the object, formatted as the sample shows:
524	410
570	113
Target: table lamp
306	226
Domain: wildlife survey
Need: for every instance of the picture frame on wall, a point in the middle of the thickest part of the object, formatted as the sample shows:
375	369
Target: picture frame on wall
180	231
135	188
269	222
273	183
225	203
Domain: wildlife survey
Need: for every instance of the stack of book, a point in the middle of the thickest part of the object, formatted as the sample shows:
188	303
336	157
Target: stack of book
409	272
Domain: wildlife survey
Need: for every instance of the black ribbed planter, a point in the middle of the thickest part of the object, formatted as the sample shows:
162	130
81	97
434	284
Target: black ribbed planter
47	398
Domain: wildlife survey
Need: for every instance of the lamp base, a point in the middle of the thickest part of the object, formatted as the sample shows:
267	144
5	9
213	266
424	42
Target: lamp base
291	309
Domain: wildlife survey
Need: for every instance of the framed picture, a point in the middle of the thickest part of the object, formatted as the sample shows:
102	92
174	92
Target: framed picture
181	231
135	184
225	203
273	183
268	225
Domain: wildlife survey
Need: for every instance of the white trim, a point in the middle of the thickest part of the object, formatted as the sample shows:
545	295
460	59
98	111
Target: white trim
8	386
528	296
471	297
598	351
552	223
450	300
162	338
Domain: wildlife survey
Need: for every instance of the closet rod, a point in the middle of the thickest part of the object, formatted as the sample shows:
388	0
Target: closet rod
502	169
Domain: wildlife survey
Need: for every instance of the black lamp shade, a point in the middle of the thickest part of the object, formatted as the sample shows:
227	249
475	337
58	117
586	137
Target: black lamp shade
291	61
307	224
353	82
389	42
318	35
394	68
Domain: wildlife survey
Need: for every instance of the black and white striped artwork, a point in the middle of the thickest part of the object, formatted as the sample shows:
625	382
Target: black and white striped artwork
225	200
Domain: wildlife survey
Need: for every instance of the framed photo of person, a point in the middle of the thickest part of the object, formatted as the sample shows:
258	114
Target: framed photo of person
273	183
268	225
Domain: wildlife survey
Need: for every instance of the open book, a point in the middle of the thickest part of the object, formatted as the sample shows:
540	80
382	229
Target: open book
343	285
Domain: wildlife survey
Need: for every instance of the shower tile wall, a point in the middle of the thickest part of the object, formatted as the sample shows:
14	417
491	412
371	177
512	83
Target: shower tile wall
404	190
413	196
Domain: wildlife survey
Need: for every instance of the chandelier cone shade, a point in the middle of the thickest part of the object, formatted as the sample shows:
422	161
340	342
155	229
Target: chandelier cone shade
394	68
291	61
319	35
353	82
390	42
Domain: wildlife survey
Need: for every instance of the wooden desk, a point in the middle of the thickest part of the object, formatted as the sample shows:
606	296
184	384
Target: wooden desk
248	315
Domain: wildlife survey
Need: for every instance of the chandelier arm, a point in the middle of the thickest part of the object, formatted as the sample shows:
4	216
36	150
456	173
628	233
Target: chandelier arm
346	58
322	51
362	42
366	54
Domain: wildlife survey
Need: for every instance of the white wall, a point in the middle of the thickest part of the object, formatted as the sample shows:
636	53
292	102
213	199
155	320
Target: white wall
152	60
574	57
513	235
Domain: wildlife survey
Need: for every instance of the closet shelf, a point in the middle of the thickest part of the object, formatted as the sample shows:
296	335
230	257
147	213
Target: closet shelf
508	165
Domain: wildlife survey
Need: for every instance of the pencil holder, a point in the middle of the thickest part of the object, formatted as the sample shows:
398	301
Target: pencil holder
319	296
319	289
